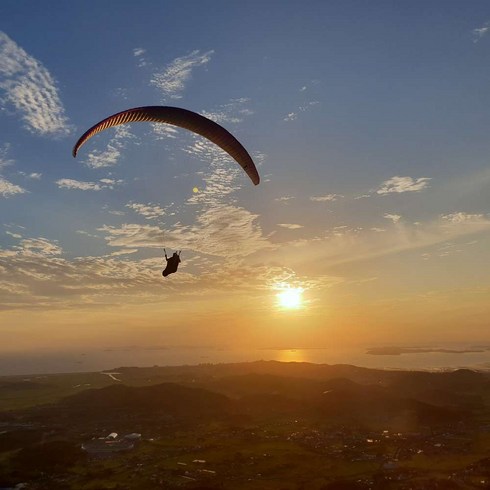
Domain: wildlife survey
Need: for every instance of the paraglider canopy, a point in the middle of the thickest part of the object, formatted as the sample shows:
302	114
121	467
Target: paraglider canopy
184	119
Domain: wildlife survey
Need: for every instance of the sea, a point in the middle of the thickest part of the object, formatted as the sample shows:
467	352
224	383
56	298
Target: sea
50	362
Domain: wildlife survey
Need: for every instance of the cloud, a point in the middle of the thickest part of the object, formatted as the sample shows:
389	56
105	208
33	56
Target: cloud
31	90
131	235
284	199
393	217
87	186
328	197
223	231
33	175
164	131
149	211
480	32
172	80
35	275
8	189
139	52
4	160
39	246
110	156
86	233
357	244
403	184
290	226
461	217
231	112
292	116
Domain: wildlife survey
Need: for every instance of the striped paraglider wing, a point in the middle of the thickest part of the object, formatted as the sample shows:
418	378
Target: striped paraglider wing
182	118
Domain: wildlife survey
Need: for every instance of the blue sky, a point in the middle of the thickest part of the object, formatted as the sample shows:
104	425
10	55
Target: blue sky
368	123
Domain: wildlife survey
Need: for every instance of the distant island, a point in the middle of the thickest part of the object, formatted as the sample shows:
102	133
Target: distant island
398	351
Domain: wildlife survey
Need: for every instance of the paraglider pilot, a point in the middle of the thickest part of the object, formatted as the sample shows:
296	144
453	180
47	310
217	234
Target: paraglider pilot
172	263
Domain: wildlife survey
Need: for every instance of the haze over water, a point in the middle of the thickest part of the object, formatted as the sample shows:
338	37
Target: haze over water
53	362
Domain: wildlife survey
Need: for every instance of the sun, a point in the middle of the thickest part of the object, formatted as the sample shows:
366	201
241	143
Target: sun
290	298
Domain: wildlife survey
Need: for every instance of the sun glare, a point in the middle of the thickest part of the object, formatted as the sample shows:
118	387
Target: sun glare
290	298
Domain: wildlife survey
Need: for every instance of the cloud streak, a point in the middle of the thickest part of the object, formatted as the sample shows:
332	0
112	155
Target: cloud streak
327	198
87	186
479	32
7	189
149	211
399	185
174	77
290	226
111	154
31	90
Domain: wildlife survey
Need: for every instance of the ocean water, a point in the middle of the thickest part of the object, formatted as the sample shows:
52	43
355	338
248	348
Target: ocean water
46	362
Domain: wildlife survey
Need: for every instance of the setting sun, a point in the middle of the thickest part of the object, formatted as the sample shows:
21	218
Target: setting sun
290	298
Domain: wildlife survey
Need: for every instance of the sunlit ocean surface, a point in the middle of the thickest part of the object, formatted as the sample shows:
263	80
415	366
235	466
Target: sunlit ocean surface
44	362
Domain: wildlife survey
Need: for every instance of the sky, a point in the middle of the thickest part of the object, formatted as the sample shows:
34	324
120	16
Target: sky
368	123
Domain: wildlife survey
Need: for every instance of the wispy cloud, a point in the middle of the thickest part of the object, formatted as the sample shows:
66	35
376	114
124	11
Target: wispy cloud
7	189
479	32
393	217
39	246
290	226
139	54
326	198
33	175
30	90
111	154
149	211
462	217
231	112
172	80
223	231
403	184
284	199
292	116
352	245
133	235
164	131
5	161
88	186
36	275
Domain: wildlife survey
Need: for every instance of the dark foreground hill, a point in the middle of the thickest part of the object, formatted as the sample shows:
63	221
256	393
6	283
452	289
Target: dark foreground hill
252	397
169	398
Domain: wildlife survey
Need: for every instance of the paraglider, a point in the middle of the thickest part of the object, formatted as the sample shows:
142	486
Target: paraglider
172	263
182	118
185	119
